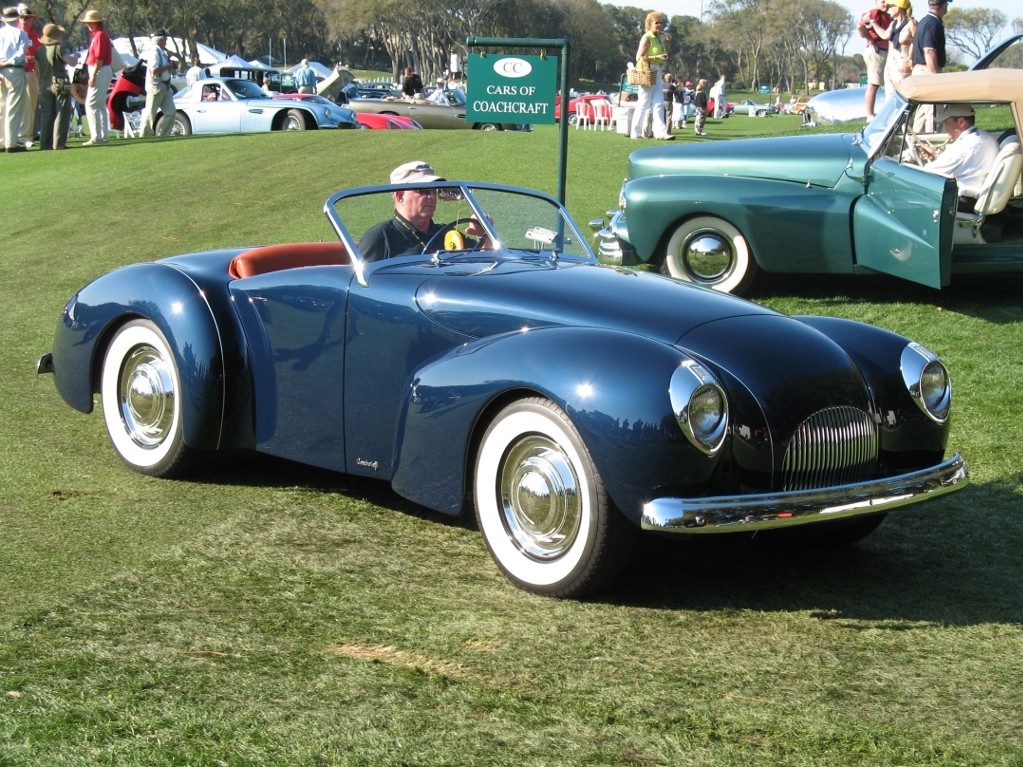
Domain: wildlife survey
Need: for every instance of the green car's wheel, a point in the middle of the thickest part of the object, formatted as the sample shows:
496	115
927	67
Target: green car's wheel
710	251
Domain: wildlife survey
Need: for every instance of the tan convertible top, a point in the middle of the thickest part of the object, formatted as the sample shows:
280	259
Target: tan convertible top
984	85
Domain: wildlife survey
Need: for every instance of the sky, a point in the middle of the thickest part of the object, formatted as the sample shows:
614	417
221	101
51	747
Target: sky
1010	8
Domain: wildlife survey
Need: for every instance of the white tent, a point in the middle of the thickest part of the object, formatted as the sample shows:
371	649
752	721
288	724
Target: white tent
175	46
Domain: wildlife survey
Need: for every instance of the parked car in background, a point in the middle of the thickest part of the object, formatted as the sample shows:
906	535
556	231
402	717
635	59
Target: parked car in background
712	104
577	103
429	114
855	203
386	122
498	370
234	105
752	108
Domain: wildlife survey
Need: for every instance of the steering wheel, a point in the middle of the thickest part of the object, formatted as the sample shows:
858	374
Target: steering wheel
452	238
915	142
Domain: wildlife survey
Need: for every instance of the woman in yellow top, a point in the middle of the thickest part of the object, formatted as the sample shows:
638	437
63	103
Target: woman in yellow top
652	54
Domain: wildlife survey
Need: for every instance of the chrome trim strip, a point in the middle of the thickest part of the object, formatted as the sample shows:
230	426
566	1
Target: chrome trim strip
763	511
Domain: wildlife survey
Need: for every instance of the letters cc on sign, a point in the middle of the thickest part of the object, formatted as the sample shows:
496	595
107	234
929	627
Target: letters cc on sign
512	67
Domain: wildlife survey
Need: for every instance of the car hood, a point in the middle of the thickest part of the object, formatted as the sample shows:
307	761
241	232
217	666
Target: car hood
748	344
819	160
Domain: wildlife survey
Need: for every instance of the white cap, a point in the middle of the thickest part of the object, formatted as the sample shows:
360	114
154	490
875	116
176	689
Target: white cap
410	172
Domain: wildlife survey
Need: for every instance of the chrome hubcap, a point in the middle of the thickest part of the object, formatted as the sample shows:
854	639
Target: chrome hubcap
147	397
708	256
539	497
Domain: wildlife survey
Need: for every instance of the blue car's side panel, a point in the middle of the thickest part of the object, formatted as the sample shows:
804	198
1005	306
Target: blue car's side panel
613	385
294	322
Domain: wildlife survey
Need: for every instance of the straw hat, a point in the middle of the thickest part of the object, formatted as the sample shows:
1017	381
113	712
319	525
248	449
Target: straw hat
52	34
10	14
92	17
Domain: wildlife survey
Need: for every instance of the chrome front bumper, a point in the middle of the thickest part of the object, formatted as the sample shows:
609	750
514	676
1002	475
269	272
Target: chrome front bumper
605	242
763	511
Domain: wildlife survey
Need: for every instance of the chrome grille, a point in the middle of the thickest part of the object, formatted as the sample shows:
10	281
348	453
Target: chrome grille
833	446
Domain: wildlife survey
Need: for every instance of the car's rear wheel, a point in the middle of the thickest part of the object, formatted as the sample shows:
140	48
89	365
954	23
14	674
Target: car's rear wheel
541	504
141	393
182	126
294	119
709	251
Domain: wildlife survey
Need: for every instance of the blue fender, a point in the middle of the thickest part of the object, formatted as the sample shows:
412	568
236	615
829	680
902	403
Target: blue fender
175	304
790	227
613	385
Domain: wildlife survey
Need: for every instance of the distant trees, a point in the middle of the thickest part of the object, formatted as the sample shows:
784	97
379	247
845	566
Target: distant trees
784	44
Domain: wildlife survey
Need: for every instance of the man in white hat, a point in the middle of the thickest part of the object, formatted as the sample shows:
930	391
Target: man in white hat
28	21
439	94
98	59
159	95
969	155
412	227
14	44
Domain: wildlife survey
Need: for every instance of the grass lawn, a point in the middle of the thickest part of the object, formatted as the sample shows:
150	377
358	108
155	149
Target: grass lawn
264	613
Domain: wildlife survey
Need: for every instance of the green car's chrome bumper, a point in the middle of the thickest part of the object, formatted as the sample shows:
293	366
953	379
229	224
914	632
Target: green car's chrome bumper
747	513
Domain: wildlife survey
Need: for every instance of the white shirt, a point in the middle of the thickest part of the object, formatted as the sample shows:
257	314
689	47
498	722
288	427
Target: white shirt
193	74
157	57
13	45
968	160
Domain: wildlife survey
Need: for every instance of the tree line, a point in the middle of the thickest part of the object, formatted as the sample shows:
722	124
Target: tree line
785	44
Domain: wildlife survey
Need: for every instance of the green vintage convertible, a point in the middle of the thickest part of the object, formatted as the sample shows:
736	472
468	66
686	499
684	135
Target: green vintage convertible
717	213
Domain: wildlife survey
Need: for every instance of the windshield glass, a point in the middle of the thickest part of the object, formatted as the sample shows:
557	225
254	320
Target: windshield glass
450	220
246	89
873	134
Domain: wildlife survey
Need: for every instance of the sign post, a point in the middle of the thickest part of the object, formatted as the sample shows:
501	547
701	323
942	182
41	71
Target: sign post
519	89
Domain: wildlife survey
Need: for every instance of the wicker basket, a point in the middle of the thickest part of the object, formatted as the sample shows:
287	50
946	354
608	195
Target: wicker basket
641	76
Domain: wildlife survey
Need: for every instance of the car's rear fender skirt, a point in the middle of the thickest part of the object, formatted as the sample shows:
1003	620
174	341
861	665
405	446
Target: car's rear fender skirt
789	227
613	385
178	308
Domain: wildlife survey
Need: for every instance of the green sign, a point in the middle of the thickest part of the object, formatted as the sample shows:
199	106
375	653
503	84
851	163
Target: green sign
511	89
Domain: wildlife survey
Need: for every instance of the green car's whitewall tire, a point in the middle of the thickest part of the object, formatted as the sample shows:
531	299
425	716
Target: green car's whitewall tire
709	251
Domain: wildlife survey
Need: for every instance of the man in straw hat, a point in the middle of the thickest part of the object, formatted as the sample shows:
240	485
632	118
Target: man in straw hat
14	45
159	95
97	61
54	88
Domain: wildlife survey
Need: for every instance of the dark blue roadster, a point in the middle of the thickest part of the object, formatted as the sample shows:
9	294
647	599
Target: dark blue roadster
500	367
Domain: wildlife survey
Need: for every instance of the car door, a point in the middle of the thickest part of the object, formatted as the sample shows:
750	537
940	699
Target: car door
215	113
903	224
256	115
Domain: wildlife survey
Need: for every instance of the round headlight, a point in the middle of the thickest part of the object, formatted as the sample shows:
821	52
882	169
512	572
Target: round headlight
700	405
935	391
927	381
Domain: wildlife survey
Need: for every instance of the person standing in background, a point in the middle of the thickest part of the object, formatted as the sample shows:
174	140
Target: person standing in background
159	94
872	26
13	50
900	42
54	88
28	21
651	55
97	61
929	56
720	99
305	77
700	102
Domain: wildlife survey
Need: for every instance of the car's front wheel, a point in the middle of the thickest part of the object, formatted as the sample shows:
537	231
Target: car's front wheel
541	504
293	120
141	393
711	252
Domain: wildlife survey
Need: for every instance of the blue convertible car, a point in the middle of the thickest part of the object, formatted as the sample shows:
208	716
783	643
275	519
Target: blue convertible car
499	368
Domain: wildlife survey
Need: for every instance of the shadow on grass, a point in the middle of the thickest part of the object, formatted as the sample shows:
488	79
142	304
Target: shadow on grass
949	563
994	298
